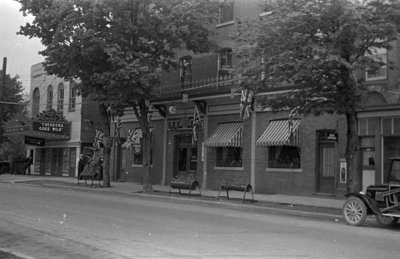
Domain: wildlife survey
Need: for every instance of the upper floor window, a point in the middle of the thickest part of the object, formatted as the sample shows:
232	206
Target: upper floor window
225	12
60	102
36	102
379	55
185	72
72	97
225	59
225	62
49	97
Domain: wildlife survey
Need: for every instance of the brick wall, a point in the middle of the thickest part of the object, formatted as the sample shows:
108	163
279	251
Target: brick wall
303	182
134	173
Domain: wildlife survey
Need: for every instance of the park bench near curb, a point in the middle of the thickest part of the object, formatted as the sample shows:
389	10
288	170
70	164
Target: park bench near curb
88	174
231	186
184	183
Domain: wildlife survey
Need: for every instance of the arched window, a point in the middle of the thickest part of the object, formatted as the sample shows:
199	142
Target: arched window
72	96
35	102
49	97
60	102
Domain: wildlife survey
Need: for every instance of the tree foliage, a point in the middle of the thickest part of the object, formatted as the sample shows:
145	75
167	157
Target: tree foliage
318	49
118	48
12	97
12	105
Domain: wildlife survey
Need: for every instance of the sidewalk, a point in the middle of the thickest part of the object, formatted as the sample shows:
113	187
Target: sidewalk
304	205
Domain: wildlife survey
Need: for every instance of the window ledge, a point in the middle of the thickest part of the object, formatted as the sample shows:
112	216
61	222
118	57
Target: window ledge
224	24
265	13
284	170
376	78
228	168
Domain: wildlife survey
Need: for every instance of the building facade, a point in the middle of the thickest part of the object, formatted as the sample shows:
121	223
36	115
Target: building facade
269	150
274	152
61	125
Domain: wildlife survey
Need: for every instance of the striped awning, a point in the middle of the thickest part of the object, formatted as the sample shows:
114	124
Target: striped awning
228	134
279	133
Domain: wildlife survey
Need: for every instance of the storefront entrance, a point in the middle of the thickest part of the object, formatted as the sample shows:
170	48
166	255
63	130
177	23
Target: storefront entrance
185	156
55	161
326	162
326	175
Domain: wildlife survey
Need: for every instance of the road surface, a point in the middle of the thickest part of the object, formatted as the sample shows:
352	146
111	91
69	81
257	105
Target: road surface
42	222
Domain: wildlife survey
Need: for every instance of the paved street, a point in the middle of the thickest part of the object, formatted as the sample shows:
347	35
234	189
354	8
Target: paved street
44	222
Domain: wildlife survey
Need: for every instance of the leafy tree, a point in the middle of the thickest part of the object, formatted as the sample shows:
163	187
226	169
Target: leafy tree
12	97
117	49
318	49
12	105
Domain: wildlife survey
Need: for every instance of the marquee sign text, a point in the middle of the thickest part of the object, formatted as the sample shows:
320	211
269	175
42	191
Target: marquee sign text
57	128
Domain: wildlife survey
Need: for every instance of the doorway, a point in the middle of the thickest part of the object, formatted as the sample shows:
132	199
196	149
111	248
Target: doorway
326	168
185	156
367	167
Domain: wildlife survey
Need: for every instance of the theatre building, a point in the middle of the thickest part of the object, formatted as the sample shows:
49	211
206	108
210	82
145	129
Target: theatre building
61	125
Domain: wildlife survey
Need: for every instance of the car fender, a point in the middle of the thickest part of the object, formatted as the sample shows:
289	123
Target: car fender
370	203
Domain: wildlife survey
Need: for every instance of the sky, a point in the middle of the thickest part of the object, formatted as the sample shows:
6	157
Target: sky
20	51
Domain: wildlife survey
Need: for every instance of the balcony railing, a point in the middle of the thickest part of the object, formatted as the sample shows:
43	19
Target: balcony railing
203	86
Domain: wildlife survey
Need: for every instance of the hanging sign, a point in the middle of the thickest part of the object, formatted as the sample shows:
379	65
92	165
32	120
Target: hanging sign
34	141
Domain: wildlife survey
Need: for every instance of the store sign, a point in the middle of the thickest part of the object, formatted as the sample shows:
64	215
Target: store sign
34	141
16	129
57	128
328	135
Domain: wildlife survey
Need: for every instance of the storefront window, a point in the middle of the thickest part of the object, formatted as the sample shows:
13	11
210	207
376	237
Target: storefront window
138	156
284	157
391	148
229	157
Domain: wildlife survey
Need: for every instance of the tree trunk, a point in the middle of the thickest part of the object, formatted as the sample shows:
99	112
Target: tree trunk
141	110
147	184
353	154
107	142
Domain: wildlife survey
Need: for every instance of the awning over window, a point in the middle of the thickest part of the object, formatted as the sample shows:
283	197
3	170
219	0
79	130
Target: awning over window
226	135
279	133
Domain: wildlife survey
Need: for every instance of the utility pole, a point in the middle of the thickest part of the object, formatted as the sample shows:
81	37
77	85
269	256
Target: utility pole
2	86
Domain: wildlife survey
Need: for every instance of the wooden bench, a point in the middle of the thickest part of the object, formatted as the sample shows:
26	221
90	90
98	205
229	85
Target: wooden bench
182	183
236	187
88	174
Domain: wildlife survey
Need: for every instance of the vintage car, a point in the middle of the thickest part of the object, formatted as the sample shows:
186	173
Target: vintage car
383	201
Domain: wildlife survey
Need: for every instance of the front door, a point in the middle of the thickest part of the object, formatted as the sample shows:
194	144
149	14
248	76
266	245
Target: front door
326	168
367	167
185	156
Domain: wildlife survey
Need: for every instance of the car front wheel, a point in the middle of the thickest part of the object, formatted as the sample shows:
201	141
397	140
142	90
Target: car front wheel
354	211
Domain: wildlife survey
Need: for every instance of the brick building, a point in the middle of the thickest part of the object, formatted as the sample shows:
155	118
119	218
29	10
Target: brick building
259	150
